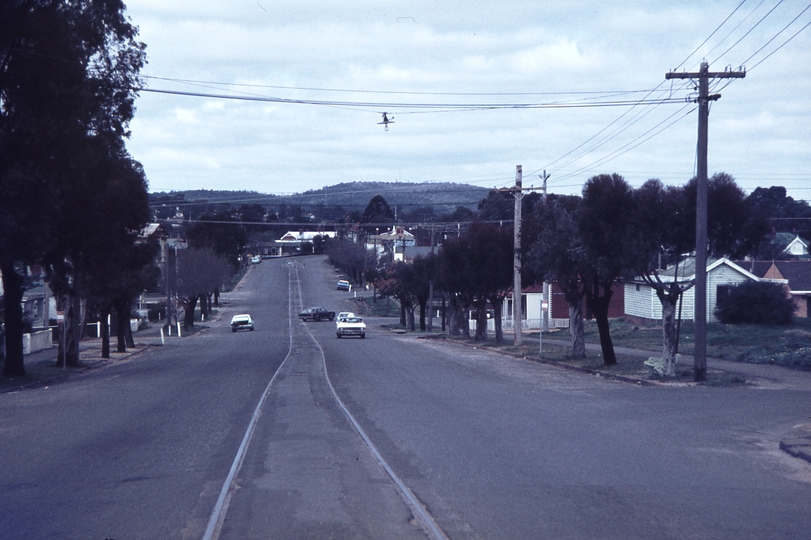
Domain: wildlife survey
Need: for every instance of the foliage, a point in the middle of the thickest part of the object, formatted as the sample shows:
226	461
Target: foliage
555	254
377	212
221	233
785	213
604	219
350	257
68	74
200	272
755	302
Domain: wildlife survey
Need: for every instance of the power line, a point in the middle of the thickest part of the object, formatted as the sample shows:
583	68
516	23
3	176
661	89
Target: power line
404	105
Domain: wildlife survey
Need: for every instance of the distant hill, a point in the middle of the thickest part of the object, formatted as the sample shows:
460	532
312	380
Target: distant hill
443	198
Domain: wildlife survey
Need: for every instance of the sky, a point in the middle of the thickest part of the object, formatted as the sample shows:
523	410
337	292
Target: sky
284	97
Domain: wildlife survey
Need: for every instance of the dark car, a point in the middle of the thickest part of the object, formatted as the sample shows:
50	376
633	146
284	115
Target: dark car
316	314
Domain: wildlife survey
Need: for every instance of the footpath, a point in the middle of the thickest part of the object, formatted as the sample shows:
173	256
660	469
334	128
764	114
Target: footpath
797	443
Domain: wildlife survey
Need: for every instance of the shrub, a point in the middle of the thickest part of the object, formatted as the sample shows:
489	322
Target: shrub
754	302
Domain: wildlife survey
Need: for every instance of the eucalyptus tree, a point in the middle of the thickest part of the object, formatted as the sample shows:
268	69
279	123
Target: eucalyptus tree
603	220
68	74
663	228
555	254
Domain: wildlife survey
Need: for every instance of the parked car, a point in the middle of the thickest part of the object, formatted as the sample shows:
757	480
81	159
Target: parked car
256	259
241	322
343	285
316	314
351	326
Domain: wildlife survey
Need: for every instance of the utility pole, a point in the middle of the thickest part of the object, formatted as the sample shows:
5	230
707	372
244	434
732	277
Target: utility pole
518	194
431	288
545	295
544	177
700	315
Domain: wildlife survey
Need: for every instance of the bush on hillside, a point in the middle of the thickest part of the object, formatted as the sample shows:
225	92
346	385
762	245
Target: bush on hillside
754	302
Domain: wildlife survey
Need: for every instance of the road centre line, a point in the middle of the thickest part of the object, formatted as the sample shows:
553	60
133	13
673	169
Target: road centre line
426	521
217	517
220	509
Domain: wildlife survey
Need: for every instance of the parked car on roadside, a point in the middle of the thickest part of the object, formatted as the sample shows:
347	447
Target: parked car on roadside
351	326
241	322
316	313
344	285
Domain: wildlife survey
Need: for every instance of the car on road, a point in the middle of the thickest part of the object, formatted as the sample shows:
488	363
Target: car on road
343	285
343	315
351	326
256	259
241	322
316	313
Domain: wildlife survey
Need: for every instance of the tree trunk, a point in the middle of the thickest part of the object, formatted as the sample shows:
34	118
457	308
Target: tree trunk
599	307
669	331
498	304
188	315
104	330
410	314
464	320
481	320
423	304
576	329
204	306
73	331
122	321
13	296
128	332
452	313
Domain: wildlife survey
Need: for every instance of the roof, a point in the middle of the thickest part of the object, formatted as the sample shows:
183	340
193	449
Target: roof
687	269
798	274
305	236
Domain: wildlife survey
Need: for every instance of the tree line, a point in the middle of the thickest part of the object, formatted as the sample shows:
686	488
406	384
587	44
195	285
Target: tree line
72	199
585	244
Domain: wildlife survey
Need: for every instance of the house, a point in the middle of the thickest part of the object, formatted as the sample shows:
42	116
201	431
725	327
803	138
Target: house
641	301
396	244
290	243
557	306
790	244
794	274
798	247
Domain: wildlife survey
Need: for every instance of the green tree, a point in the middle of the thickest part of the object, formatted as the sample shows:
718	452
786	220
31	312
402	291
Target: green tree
603	224
200	272
221	233
67	74
556	254
377	213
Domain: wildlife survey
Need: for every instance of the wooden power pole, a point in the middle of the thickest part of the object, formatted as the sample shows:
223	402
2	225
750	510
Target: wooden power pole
519	194
700	315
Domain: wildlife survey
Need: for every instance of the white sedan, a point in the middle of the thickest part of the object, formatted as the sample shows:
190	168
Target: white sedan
351	326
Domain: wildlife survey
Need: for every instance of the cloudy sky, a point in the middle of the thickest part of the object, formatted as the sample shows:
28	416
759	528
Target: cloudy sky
282	97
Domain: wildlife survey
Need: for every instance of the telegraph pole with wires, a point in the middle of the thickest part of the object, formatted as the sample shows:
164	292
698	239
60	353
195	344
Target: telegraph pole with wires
519	195
700	315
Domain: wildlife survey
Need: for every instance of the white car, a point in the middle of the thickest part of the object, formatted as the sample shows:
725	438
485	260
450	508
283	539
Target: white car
241	322
343	315
351	326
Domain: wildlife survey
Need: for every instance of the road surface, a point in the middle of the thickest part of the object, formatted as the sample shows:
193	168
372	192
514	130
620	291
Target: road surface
289	432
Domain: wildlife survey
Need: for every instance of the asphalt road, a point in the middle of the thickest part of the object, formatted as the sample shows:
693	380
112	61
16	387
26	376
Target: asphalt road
461	443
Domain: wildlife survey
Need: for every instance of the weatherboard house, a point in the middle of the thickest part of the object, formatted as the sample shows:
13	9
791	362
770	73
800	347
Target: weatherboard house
642	303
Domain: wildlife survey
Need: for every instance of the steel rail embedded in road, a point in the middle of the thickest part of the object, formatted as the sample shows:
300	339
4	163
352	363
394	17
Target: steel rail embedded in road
217	517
